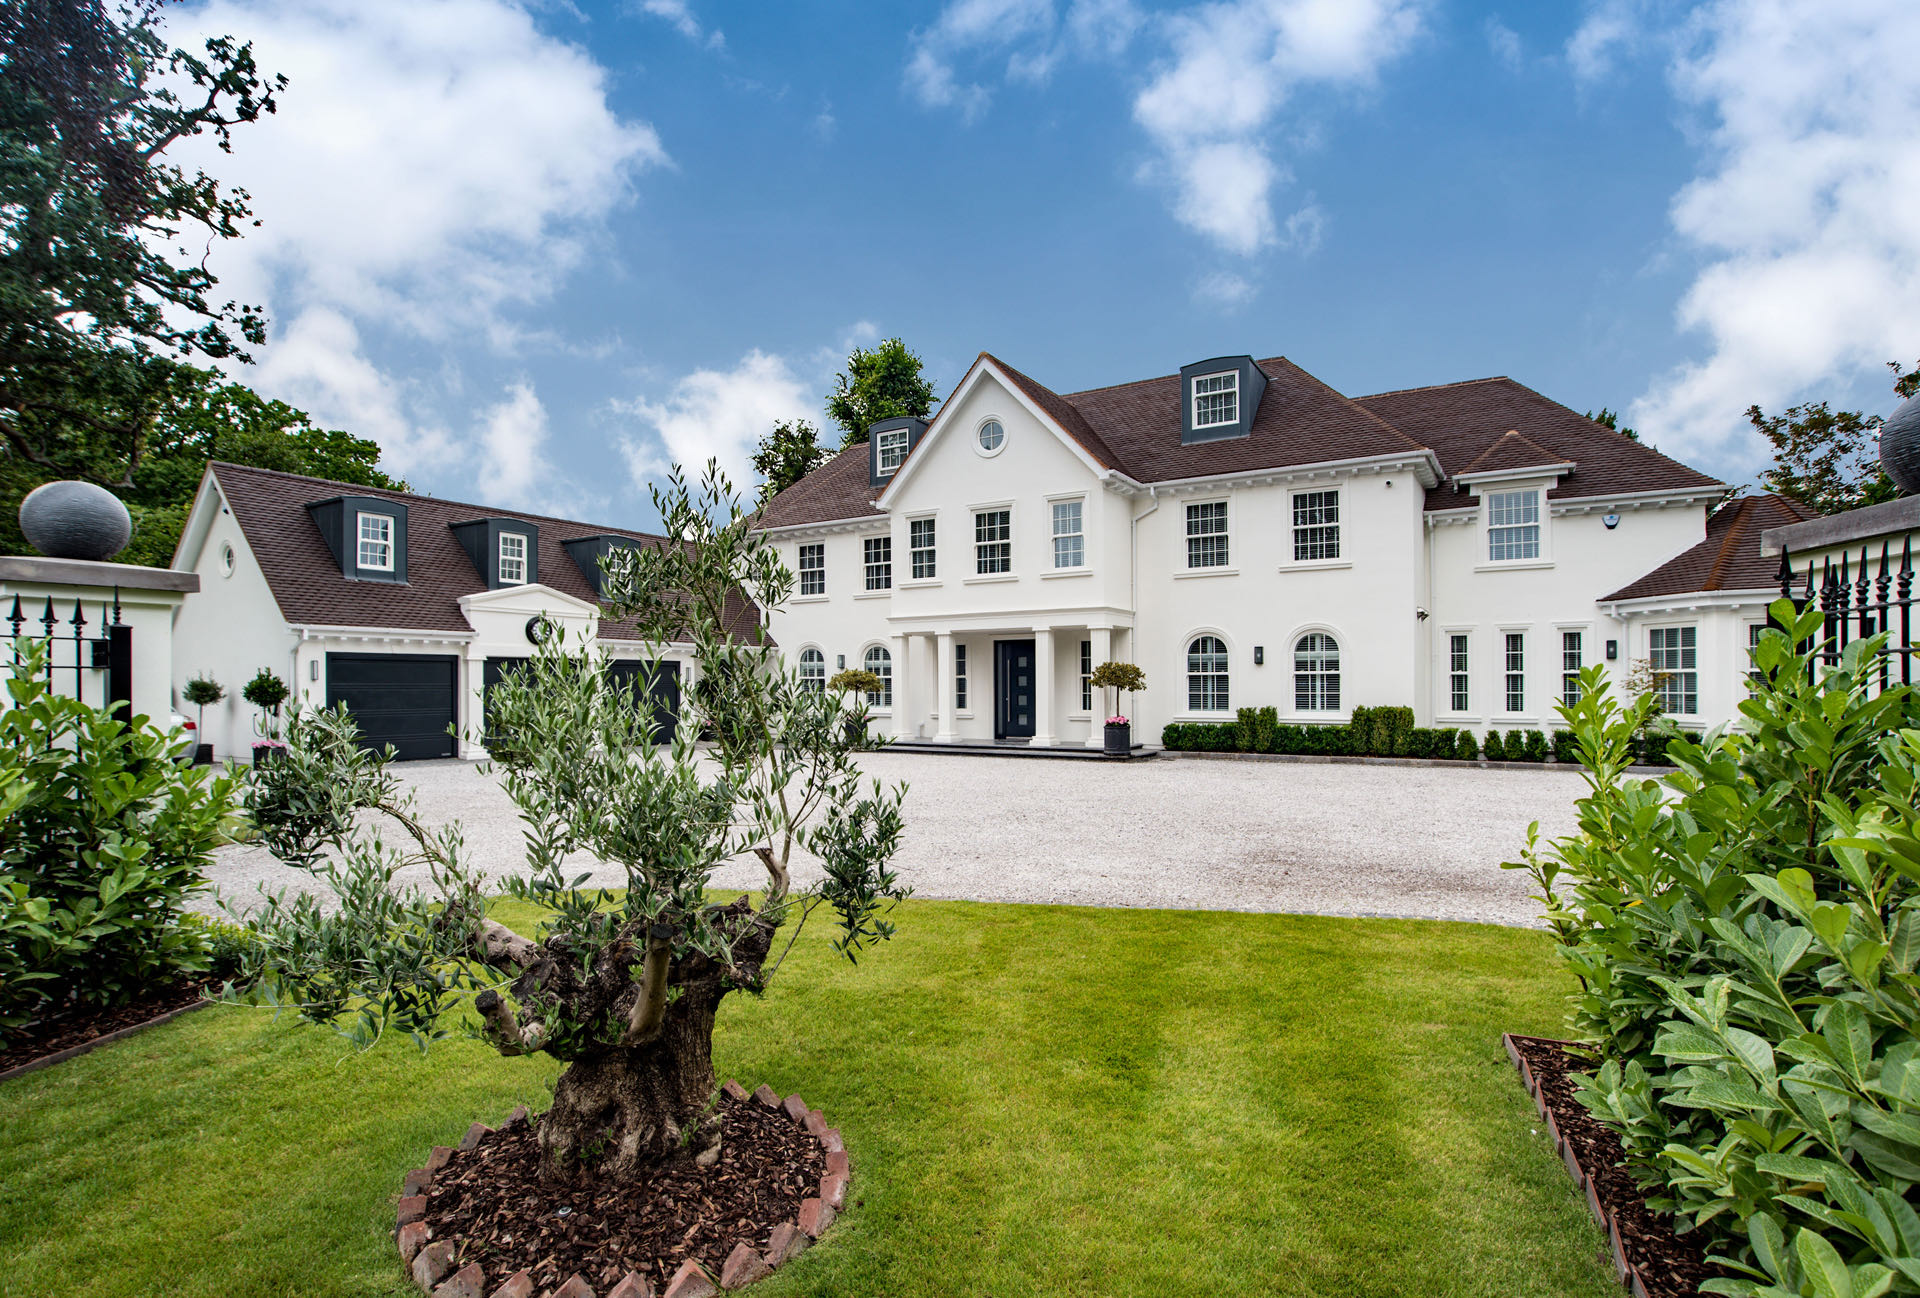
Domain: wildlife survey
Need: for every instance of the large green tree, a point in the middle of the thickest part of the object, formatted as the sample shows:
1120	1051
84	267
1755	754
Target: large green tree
103	240
787	454
883	382
1829	460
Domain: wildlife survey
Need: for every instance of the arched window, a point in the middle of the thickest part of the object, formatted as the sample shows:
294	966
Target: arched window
1316	673
1207	674
880	663
813	670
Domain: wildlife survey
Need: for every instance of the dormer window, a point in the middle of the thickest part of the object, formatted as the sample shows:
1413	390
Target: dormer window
891	447
1216	400
513	559
376	543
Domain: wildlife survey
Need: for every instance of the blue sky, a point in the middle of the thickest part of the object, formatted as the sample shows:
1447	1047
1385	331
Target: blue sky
542	251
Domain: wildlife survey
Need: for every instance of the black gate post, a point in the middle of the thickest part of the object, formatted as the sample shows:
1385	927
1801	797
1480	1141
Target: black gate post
119	661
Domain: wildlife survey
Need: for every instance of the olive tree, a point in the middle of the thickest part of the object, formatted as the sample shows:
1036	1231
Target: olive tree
621	984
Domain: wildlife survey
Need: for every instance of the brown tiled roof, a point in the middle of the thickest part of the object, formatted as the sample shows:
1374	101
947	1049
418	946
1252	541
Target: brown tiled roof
1462	421
1484	424
1729	559
271	509
840	488
1512	451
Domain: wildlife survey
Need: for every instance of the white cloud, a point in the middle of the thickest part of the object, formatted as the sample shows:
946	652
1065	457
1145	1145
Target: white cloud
1029	33
434	167
1224	289
716	414
1504	43
514	470
1807	212
680	16
1235	65
1610	28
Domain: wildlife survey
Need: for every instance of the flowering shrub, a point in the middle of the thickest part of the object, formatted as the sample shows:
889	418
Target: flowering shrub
1117	721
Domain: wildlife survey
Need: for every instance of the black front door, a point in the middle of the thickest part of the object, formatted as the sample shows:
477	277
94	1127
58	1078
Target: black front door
1013	689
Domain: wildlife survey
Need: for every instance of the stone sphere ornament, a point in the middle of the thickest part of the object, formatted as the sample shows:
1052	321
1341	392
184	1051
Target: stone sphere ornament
75	520
1900	446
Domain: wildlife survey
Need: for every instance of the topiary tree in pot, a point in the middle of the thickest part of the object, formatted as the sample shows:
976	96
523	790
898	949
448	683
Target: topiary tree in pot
266	692
200	691
861	690
621	986
1118	676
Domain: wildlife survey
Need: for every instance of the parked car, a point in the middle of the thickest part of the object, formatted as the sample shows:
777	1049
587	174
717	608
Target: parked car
189	740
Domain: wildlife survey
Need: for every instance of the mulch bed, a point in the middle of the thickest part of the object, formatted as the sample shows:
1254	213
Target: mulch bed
493	1199
83	1024
1667	1265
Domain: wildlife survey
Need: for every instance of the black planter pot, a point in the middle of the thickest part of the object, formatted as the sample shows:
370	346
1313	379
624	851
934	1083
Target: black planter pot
264	753
1119	740
856	732
203	754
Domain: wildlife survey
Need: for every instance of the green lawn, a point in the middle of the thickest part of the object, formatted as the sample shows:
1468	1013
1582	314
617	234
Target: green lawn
1038	1100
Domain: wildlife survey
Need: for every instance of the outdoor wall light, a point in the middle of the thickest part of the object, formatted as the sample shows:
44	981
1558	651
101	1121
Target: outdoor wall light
1613	650
1259	655
313	669
840	664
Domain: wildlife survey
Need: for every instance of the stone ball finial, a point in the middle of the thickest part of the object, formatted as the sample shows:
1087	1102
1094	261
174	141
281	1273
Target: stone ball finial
75	520
1900	446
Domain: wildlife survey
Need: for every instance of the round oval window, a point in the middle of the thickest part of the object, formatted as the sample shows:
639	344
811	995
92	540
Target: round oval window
226	561
991	435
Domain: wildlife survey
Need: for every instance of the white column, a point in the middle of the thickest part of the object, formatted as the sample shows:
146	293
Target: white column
943	677
902	688
473	704
1102	638
1042	688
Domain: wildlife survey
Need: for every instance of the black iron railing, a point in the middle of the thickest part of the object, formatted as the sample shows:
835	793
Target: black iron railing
1858	603
100	665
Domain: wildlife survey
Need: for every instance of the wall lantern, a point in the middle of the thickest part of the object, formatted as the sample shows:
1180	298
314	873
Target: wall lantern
313	669
1259	655
1613	650
840	663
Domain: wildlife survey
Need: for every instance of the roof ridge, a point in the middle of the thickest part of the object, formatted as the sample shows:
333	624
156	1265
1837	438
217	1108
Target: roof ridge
1435	387
420	495
1162	378
1730	544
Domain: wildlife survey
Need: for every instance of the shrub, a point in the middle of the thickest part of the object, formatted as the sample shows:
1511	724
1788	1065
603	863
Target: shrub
1418	743
1266	731
1379	732
102	838
1243	731
1465	747
1565	749
1496	751
1532	749
1746	933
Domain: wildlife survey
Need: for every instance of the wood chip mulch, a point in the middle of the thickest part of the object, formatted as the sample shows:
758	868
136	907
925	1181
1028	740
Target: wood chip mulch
493	1199
1670	1265
81	1024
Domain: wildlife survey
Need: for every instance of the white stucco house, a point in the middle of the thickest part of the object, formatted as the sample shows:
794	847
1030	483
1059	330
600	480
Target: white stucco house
403	607
1251	537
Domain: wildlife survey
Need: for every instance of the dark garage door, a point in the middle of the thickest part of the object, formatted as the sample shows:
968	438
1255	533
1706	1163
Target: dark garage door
666	688
404	700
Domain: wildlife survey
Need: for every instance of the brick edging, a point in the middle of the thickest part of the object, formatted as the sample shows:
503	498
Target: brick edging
431	1261
1623	1268
107	1038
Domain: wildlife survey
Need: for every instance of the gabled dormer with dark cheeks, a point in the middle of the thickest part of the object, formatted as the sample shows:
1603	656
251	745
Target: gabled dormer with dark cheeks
889	443
367	536
587	551
1219	398
505	551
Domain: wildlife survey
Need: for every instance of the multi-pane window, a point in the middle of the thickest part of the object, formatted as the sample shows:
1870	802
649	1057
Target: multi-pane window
1316	673
813	671
1207	674
813	569
960	676
1513	525
1457	673
1216	400
1516	671
376	542
1069	534
1572	659
890	449
513	559
993	541
880	663
879	561
1207	534
1674	656
920	547
1086	675
1316	526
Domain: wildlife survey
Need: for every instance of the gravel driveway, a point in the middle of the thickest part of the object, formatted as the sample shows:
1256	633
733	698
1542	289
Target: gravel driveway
1172	832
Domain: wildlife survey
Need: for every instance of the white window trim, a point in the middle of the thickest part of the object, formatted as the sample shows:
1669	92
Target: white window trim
799	578
866	591
501	558
1193	398
1183	712
1083	567
360	538
1445	686
1489	564
978	424
927	516
893	677
1695	717
879	450
824	664
1290	564
976	577
1293	712
1228	569
1587	646
1499	717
